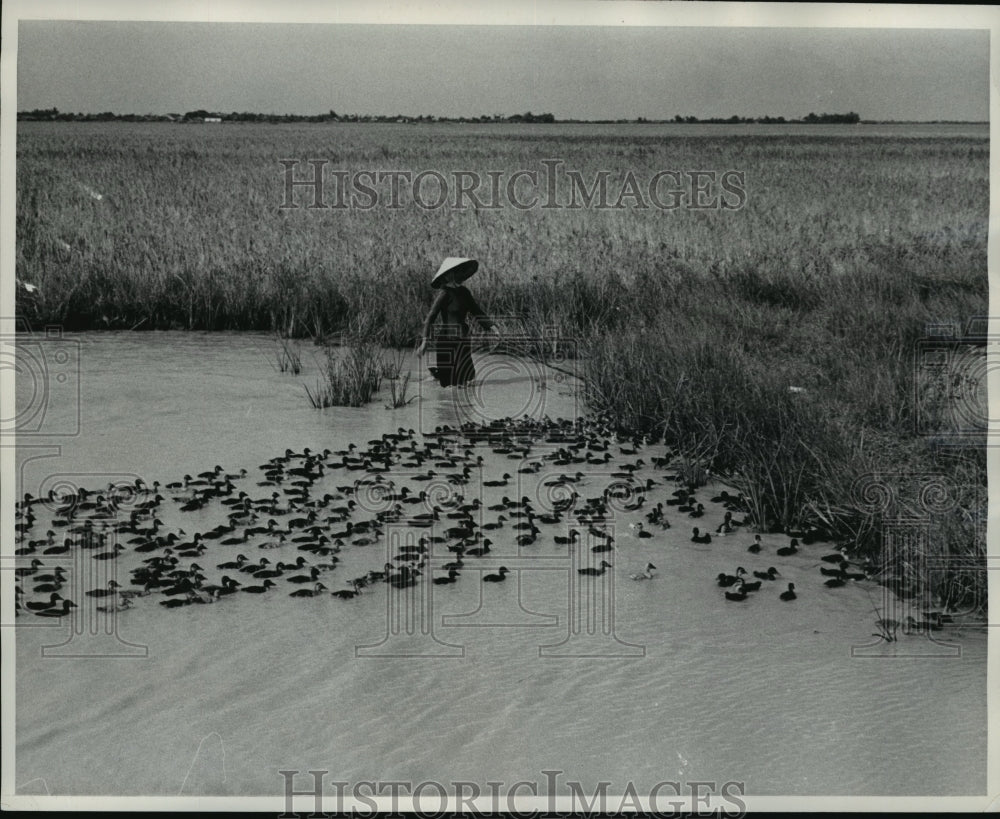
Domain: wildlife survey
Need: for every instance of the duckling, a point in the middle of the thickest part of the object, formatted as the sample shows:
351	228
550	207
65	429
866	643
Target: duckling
755	547
789	594
697	537
590	570
496	578
790	549
645	574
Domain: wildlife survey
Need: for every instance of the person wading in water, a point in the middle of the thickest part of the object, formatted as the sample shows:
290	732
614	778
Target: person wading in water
454	304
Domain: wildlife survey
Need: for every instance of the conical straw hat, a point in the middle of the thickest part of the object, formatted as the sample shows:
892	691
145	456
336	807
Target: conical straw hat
463	269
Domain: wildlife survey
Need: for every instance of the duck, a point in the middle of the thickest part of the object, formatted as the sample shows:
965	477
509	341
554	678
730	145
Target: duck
750	587
315	591
301	578
55	577
229	586
564	540
640	531
840	571
726	580
233	564
645	574
479	551
176	602
54	598
768	575
451	577
590	570
57	612
755	547
737	596
346	594
234	541
529	539
497	578
835	582
120	605
790	549
502	482
268	584
922	625
278	570
697	537
112	585
59	550
112	554
789	593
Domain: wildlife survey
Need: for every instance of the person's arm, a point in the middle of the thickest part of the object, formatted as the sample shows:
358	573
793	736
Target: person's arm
433	314
479	313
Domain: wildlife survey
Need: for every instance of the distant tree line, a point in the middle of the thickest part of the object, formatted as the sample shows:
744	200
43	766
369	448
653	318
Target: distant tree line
201	115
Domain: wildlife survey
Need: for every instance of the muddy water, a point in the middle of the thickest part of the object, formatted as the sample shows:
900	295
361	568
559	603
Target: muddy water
602	678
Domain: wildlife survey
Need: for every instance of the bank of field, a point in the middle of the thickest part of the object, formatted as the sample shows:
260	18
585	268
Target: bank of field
691	323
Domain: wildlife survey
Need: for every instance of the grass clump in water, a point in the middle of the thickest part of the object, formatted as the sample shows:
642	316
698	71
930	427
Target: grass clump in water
351	376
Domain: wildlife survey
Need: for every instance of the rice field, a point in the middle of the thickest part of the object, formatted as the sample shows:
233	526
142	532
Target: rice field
689	324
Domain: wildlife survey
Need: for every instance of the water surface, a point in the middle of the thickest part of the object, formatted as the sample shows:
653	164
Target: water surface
662	680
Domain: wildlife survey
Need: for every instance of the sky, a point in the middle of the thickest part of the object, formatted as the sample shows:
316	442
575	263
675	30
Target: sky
581	72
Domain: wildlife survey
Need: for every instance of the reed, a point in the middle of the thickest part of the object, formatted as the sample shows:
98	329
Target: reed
288	355
690	324
352	375
398	388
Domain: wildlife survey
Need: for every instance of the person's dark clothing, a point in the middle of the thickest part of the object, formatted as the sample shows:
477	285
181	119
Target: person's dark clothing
454	354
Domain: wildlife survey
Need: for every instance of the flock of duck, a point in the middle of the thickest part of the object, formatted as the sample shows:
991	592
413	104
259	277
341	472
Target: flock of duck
312	508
